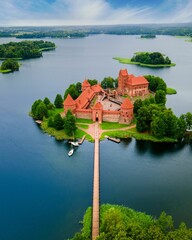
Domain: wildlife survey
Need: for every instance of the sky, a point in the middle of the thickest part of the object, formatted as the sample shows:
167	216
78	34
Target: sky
93	12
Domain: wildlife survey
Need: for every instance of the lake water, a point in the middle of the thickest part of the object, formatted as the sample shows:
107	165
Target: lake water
44	193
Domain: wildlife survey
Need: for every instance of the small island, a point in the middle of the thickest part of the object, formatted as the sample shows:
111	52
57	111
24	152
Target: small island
25	49
147	59
148	36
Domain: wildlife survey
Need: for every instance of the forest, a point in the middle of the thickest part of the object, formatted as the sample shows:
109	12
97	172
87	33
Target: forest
154	58
119	222
184	29
24	49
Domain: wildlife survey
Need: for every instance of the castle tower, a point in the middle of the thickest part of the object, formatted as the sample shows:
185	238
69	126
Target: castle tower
122	80
97	112
126	112
69	104
85	84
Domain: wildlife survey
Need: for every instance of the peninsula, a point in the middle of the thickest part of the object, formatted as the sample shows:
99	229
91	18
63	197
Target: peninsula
147	59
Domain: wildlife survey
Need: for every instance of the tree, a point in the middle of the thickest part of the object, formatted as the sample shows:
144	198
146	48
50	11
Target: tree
58	101
72	90
78	87
34	106
137	106
10	64
108	82
188	119
143	119
69	123
92	81
46	101
58	122
160	97
41	111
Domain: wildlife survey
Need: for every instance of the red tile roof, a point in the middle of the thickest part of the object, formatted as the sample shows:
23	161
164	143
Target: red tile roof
86	83
123	72
97	88
98	106
137	80
127	104
69	101
85	97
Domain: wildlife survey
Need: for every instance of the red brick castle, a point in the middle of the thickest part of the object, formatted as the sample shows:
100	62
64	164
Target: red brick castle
98	105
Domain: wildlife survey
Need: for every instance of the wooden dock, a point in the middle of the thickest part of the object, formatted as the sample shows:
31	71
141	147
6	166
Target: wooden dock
82	140
117	140
95	213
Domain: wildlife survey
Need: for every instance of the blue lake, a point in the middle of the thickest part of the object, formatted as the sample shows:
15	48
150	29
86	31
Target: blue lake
44	193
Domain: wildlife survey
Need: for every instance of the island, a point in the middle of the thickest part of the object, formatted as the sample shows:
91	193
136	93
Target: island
25	49
130	106
148	36
148	59
9	65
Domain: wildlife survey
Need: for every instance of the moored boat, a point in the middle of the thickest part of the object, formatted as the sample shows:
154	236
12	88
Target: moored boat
70	153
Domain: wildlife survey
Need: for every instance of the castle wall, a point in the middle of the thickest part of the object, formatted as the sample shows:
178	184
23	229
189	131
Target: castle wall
85	113
111	116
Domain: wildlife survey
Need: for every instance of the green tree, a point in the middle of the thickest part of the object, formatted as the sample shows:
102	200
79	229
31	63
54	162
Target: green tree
72	90
34	106
143	119
92	81
69	123
160	97
41	111
78	87
188	119
108	82
58	122
46	101
137	105
10	64
58	101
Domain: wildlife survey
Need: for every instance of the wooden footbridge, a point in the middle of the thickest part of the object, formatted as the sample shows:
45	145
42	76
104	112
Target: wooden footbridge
95	213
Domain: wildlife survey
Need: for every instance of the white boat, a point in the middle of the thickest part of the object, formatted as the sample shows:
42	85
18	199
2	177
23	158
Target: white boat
76	144
70	153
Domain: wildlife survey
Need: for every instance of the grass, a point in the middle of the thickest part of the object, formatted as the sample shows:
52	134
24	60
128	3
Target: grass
112	125
5	71
133	133
171	91
84	126
55	111
128	61
61	135
81	120
46	49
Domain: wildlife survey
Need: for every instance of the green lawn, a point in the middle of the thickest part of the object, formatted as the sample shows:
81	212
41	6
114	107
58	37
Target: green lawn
112	125
5	71
135	134
61	135
128	61
81	125
171	91
81	120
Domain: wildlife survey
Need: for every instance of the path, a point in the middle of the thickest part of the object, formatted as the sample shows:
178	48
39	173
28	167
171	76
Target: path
95	216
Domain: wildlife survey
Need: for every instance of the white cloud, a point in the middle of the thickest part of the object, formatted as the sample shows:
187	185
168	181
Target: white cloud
80	12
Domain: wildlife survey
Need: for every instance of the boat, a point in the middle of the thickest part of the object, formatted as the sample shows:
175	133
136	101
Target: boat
76	144
70	153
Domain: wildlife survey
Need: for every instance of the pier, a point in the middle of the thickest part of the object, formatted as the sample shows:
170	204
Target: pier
95	213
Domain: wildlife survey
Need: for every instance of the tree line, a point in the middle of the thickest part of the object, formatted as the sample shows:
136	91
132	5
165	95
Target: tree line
119	222
154	58
24	49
